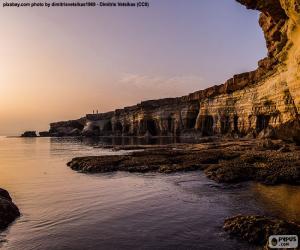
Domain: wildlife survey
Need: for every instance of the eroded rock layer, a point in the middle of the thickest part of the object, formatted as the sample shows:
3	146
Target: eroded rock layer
268	97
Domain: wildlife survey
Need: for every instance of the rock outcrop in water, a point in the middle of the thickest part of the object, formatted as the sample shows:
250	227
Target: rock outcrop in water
8	210
248	103
222	161
29	134
257	229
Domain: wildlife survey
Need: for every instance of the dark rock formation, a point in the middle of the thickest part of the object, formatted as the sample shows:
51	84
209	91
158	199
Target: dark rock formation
67	128
161	159
29	134
268	167
44	134
223	161
257	229
8	210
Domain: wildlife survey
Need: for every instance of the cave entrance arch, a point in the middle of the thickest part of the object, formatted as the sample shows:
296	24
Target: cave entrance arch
118	128
225	124
127	129
236	123
151	127
96	130
262	122
170	124
108	127
207	125
191	121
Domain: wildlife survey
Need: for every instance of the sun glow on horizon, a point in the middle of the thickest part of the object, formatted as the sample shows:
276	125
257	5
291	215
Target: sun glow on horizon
62	64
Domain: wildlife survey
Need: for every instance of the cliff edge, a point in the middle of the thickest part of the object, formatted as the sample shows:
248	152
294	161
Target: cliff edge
248	103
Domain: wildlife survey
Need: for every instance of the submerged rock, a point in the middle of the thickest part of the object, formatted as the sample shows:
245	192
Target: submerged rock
257	229
8	210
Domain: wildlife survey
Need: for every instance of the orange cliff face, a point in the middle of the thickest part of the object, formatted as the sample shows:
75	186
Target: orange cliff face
251	102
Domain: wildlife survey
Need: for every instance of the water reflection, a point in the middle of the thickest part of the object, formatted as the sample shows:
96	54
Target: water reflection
63	209
282	201
96	141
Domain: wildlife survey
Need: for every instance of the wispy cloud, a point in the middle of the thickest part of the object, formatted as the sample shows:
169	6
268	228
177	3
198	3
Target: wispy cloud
147	86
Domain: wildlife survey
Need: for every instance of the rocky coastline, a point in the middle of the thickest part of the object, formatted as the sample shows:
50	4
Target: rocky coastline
256	229
270	162
255	116
8	210
223	160
243	106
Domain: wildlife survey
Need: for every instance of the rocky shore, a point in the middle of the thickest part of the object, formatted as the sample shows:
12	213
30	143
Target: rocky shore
270	162
260	106
228	161
8	210
257	229
223	160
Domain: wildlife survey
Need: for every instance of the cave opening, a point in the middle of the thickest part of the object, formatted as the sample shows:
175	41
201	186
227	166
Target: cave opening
127	128
96	130
207	125
262	122
225	124
170	124
151	127
191	121
118	127
135	128
236	123
108	126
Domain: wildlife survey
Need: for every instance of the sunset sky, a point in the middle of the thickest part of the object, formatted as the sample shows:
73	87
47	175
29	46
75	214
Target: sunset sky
61	63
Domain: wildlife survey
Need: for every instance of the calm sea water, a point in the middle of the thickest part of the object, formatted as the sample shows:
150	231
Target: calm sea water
63	209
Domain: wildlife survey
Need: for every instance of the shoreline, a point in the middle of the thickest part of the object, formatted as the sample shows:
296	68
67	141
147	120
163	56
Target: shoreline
224	161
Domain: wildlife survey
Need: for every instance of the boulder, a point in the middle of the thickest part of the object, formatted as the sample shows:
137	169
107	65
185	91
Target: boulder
4	194
8	210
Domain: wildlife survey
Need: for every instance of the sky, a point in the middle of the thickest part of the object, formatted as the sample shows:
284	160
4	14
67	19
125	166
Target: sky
61	63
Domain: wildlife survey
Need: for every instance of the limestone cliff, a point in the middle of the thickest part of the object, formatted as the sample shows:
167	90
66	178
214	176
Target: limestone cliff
248	102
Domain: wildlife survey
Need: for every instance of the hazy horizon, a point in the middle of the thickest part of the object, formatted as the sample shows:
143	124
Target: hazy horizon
59	64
